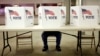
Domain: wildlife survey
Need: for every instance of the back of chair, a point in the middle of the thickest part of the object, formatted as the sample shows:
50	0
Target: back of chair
89	38
87	33
24	38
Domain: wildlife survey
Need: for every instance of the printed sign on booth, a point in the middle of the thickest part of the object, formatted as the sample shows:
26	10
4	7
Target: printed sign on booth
50	16
63	15
84	15
19	16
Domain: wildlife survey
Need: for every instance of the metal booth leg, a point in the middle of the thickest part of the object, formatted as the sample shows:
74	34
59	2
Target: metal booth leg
79	41
5	40
98	45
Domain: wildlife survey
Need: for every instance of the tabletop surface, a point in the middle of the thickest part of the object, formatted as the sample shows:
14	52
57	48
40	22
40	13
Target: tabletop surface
40	28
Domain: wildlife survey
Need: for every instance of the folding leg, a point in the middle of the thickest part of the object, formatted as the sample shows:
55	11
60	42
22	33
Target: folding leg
5	40
98	45
79	41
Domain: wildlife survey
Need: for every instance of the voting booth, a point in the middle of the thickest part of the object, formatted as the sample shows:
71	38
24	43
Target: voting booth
51	16
63	15
84	15
19	16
